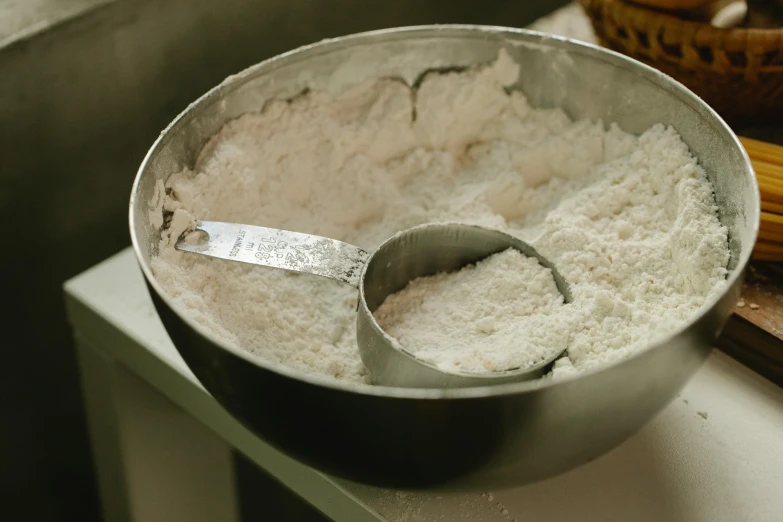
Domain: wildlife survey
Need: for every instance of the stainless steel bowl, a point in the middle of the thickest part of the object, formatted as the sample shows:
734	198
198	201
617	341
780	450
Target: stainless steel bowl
474	437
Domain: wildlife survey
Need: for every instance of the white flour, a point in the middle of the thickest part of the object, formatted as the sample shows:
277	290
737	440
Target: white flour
502	314
629	221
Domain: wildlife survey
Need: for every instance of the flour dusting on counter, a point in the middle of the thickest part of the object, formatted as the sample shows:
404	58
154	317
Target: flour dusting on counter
629	221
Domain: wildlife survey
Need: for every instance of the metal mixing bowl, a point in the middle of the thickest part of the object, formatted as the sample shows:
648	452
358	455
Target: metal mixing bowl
474	437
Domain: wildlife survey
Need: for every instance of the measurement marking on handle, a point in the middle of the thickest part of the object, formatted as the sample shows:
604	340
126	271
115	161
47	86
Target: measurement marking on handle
275	248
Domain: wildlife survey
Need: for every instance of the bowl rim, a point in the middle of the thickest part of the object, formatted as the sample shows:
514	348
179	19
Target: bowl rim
520	37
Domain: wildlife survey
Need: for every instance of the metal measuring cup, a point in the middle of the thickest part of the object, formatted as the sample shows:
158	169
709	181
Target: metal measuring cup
421	251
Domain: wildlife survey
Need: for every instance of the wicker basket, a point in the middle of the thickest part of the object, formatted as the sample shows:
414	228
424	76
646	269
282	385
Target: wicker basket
739	72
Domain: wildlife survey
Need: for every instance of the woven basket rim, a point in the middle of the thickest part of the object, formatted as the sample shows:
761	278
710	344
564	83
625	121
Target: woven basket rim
643	18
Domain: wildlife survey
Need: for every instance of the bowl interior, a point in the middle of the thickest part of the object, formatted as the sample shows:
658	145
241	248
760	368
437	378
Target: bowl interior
583	80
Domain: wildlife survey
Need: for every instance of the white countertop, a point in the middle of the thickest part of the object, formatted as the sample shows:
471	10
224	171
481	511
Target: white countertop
715	454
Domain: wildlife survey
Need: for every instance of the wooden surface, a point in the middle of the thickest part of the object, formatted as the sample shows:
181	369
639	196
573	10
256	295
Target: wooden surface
754	334
763	298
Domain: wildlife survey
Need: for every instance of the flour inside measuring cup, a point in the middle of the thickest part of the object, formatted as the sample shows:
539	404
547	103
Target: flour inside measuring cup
630	221
503	313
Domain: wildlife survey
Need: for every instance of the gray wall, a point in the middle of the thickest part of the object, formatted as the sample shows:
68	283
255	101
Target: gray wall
80	102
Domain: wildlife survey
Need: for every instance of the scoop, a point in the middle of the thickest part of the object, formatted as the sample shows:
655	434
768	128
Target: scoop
421	251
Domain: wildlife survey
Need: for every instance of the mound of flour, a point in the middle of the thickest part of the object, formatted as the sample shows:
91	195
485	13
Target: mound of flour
501	314
630	221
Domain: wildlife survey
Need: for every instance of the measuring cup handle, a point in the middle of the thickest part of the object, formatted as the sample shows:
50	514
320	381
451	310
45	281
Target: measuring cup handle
276	248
